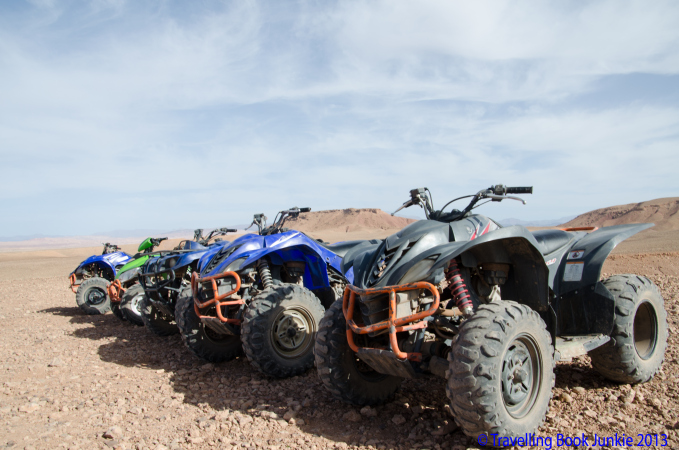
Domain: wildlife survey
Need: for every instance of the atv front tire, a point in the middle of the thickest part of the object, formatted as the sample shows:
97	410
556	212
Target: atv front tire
347	377
131	304
115	309
92	296
156	321
501	371
203	341
639	338
279	329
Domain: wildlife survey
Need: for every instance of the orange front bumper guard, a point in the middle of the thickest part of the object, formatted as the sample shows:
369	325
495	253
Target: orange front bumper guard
393	324
115	291
217	300
73	280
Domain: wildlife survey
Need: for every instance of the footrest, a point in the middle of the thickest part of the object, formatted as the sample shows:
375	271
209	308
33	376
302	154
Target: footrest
218	326
385	361
568	347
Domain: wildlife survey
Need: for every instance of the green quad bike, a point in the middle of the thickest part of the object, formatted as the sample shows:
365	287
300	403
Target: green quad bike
165	277
489	309
125	292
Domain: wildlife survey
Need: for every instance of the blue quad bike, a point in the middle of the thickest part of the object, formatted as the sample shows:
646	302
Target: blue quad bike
490	309
91	278
265	294
163	278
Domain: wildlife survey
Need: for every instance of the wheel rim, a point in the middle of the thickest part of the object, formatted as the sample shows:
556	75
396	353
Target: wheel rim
645	330
521	376
96	296
134	305
292	332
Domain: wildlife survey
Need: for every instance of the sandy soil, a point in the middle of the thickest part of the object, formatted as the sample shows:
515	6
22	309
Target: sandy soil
67	380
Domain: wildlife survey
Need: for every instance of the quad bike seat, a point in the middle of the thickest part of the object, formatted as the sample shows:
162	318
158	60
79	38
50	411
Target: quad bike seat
550	240
340	248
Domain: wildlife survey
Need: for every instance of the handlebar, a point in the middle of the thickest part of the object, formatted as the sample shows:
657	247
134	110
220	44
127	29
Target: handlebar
304	209
520	190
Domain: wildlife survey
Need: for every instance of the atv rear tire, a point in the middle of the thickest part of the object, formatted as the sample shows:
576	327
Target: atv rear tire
92	296
203	341
342	372
131	304
639	338
501	372
279	329
156	321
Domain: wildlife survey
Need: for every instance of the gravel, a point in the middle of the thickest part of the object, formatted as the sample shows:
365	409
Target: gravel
68	380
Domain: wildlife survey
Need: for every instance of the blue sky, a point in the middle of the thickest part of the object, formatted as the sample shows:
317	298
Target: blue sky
122	114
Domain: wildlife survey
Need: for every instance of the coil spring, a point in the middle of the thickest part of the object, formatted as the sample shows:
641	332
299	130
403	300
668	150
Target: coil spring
458	288
265	273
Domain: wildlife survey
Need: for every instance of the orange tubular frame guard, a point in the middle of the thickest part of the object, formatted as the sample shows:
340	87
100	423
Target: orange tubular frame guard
217	299
579	229
393	324
115	291
73	280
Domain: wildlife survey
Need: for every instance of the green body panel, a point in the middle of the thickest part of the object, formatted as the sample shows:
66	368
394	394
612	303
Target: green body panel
132	265
146	243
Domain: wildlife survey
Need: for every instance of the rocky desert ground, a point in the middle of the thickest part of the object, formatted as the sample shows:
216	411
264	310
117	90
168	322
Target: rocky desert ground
68	380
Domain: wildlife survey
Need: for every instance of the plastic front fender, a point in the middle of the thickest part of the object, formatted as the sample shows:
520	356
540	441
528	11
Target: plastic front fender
315	270
527	280
583	305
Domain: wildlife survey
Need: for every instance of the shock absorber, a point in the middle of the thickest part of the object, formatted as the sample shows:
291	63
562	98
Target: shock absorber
458	289
265	273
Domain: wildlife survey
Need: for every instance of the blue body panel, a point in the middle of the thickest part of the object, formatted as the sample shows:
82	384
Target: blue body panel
189	257
107	261
281	248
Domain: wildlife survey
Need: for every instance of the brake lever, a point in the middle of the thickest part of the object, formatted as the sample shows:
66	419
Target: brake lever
504	197
407	204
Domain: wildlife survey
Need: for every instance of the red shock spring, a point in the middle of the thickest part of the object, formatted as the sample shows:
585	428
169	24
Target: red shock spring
457	288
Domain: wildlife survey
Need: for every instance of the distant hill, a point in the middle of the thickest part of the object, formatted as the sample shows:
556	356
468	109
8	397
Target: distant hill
662	212
349	220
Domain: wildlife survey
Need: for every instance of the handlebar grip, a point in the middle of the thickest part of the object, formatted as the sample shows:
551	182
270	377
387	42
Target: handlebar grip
231	230
520	190
304	209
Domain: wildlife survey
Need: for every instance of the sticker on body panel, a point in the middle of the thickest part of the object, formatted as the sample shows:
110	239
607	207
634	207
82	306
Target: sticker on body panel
573	271
576	254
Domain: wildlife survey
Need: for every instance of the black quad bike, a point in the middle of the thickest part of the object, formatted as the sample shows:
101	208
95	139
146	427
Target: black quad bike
491	309
163	278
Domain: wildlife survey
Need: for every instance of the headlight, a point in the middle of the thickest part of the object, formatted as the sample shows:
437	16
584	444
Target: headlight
235	265
419	271
129	274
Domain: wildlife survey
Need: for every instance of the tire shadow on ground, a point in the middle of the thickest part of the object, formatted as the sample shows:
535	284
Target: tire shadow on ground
240	389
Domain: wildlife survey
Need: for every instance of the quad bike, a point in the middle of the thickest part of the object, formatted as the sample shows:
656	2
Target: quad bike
89	280
264	294
491	309
124	291
162	279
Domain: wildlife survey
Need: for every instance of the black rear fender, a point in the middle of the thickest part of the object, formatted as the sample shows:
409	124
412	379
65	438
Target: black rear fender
527	279
583	305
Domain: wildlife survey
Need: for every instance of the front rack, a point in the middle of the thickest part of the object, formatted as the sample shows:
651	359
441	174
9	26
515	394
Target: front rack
74	283
217	300
393	324
115	291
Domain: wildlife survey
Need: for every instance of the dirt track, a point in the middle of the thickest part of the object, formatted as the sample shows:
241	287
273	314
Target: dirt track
66	379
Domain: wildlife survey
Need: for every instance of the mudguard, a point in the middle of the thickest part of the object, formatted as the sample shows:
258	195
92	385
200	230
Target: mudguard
236	248
296	246
583	305
107	262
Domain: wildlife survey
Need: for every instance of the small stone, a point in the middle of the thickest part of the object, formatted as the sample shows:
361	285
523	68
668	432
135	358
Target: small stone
656	403
629	398
206	367
195	440
590	413
611	398
579	390
56	362
368	411
248	404
398	419
290	414
352	416
566	397
417	410
115	432
298	422
446	429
